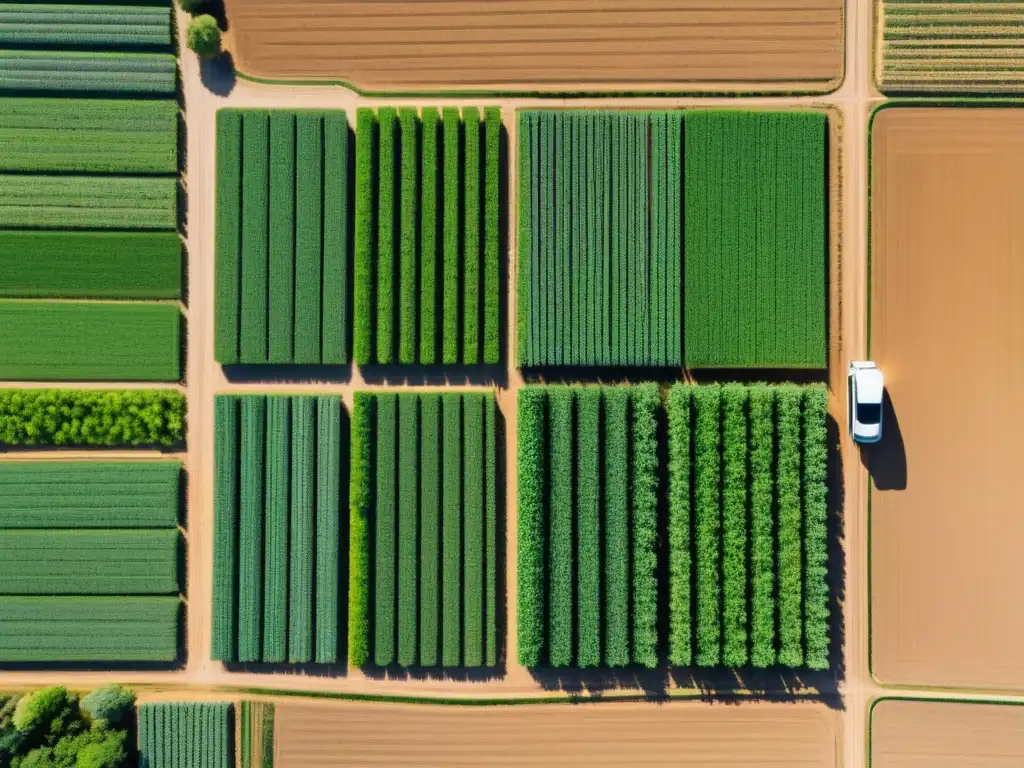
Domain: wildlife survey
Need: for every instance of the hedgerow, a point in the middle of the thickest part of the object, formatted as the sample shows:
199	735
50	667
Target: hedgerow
734	525
815	473
788	400
530	511
560	636
680	562
646	402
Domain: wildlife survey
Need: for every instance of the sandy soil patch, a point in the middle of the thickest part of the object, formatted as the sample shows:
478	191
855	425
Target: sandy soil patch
932	734
947	329
544	45
345	733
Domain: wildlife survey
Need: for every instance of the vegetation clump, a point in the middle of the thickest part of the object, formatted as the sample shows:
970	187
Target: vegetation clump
204	35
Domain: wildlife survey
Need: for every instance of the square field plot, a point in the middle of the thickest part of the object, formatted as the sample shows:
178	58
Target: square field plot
908	733
947	242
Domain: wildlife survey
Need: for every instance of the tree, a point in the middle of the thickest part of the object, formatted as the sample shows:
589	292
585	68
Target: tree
46	715
204	35
108	705
193	6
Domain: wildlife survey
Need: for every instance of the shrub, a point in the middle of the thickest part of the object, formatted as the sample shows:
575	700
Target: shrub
107	706
204	35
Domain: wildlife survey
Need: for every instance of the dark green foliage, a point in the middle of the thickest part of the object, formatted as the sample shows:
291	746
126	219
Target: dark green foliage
250	528
302	529
255	229
473	529
281	320
430	527
330	441
256	734
365	227
646	402
275	564
707	457
384	598
408	545
560	608
387	119
788	401
532	491
334	309
680	561
309	152
109	705
91	417
429	181
451	531
815	479
361	515
228	240
588	526
762	537
492	236
616	526
407	282
490	563
756	245
471	237
734	525
225	516
452	182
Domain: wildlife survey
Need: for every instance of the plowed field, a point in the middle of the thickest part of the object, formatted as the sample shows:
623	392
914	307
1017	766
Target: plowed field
611	734
932	734
544	45
947	328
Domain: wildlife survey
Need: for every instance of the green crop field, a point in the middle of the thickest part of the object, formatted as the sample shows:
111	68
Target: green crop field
186	735
78	26
256	734
277	532
89	629
755	239
747	474
89	341
88	135
282	237
427	236
87	202
83	417
89	494
88	72
424	552
90	265
588	483
600	250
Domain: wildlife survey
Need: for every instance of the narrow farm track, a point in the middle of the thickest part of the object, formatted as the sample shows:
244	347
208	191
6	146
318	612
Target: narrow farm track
201	678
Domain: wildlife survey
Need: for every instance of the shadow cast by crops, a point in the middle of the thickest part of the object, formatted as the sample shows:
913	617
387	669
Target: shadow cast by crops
284	373
600	375
436	375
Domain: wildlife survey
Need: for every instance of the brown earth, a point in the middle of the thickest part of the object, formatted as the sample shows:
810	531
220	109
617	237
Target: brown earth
318	735
947	328
543	45
932	734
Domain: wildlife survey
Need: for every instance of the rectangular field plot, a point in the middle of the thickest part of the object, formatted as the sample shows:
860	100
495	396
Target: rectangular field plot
278	535
89	341
948	46
334	734
550	46
946	250
282	237
945	734
756	243
117	25
90	265
76	72
95	135
89	494
192	734
424	523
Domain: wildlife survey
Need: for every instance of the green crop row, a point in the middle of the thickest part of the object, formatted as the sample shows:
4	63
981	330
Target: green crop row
88	72
600	238
88	135
282	237
89	341
103	27
193	734
256	734
427	214
89	494
423	546
91	417
277	537
90	265
588	463
89	629
739	453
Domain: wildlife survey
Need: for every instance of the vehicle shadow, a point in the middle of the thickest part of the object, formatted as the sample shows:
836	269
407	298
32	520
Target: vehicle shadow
886	460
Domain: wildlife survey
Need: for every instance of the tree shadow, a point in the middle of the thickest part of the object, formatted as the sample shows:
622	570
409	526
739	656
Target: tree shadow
886	460
217	73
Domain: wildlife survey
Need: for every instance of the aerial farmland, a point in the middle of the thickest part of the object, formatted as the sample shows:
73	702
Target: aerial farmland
454	383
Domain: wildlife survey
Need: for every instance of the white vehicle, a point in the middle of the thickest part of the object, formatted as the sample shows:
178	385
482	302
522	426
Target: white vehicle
865	391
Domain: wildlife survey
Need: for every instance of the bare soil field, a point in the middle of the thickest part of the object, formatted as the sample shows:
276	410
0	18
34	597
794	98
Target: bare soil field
317	735
933	734
947	328
544	45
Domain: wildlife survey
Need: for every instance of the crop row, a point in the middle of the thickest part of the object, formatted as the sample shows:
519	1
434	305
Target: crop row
89	341
90	265
282	237
427	220
600	238
277	529
747	476
105	27
79	417
588	526
256	734
88	135
192	734
89	629
87	72
88	202
424	531
756	242
89	494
